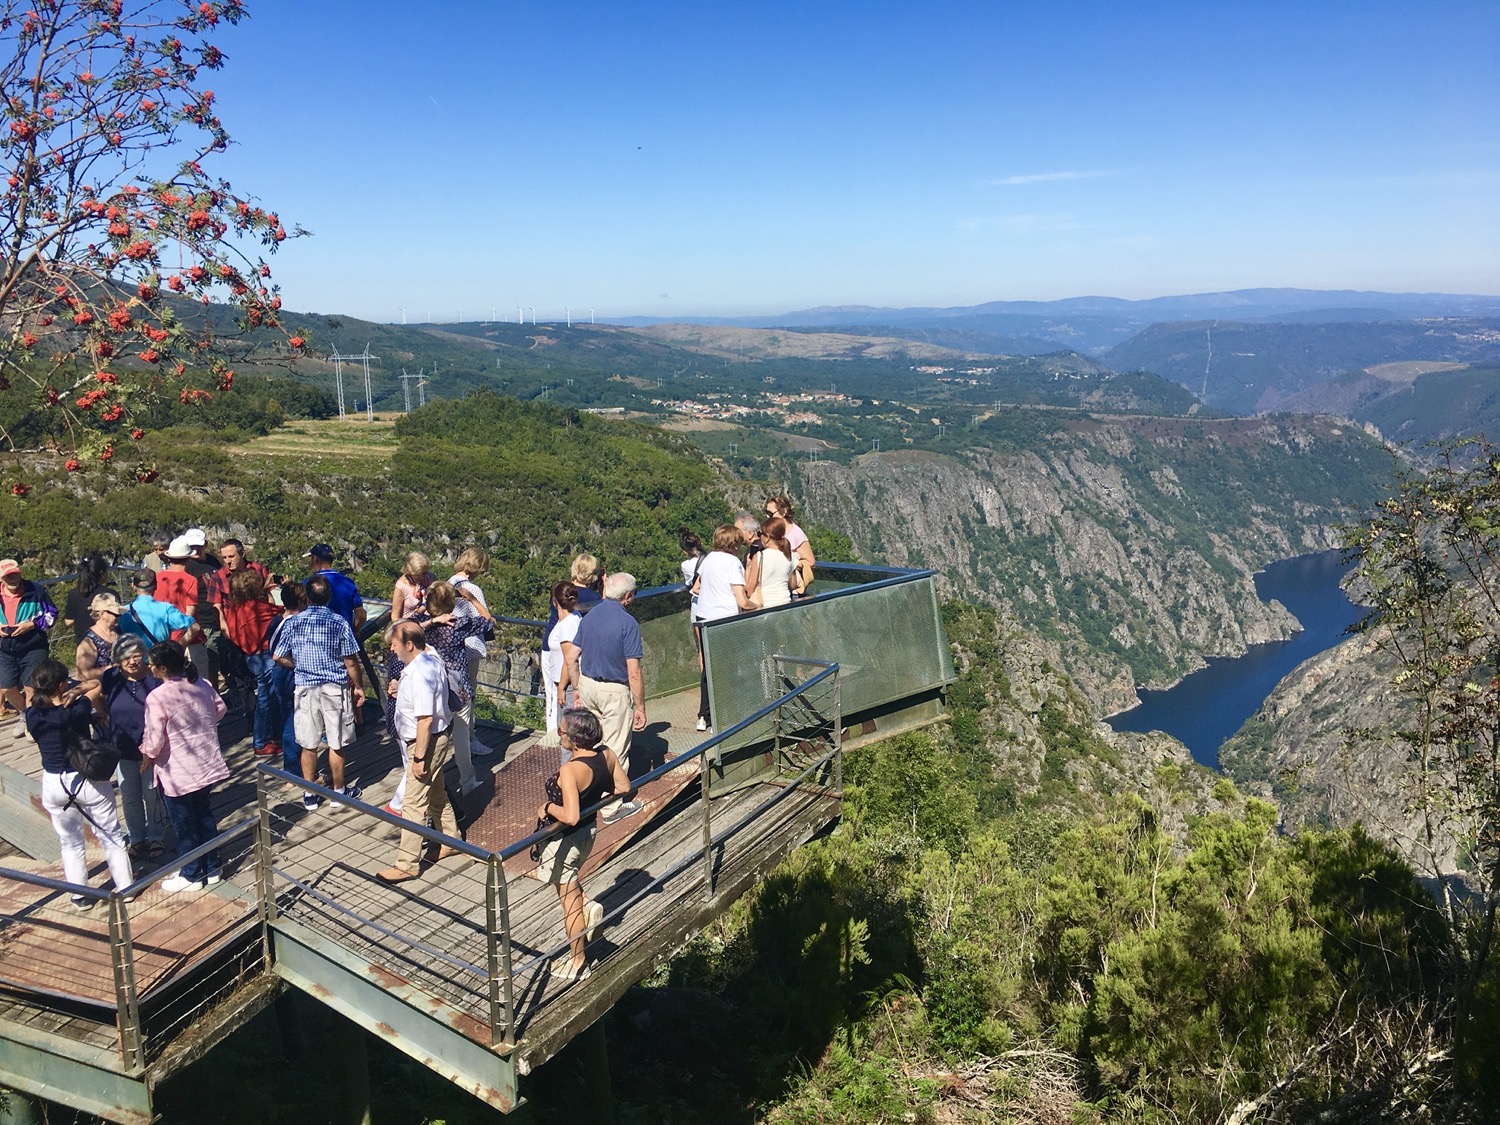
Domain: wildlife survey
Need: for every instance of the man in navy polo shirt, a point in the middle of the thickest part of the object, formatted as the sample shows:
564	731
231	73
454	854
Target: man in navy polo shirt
607	653
346	601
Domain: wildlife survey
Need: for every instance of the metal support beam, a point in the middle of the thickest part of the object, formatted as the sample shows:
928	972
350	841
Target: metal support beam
355	989
57	1069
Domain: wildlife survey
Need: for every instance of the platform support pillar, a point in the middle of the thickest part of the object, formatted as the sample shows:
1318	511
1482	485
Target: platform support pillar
289	1024
354	1059
593	1062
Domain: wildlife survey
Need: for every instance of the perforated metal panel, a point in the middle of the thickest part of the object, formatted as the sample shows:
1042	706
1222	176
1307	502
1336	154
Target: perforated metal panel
886	637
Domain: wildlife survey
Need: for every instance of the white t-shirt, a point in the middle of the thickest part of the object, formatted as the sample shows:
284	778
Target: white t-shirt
423	691
775	576
566	629
720	571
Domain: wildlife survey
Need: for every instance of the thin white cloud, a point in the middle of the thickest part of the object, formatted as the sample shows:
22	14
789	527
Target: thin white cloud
1052	177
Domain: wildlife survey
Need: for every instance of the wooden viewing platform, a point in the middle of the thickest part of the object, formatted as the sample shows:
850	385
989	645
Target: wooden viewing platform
457	967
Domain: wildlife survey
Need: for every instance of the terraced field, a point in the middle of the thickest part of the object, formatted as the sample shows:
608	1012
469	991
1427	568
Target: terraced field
327	438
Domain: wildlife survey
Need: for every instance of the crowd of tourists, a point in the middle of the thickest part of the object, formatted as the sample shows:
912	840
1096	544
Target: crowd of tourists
139	709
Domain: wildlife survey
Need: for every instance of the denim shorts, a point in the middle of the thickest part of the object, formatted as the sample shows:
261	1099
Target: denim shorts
19	658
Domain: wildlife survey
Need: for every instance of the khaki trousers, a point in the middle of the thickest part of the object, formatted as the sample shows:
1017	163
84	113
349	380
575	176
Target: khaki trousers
612	705
424	799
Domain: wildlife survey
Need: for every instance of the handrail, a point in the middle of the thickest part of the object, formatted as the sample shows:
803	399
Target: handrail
808	660
160	873
666	767
533	622
405	825
52	884
179	862
893	573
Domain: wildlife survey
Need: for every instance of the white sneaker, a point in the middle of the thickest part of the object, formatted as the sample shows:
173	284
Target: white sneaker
702	723
593	919
570	973
210	880
628	808
178	883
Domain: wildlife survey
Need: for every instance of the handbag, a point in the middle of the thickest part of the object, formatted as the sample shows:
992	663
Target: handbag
536	848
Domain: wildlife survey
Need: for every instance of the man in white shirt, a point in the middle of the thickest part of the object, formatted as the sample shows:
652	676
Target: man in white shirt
423	724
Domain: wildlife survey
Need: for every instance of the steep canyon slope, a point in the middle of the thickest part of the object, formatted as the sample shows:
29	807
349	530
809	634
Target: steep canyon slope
1127	544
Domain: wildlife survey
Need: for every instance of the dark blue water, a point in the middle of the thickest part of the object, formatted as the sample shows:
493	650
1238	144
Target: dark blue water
1210	705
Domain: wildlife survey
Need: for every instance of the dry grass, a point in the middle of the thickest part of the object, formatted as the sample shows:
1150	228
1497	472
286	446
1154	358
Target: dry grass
1407	371
329	438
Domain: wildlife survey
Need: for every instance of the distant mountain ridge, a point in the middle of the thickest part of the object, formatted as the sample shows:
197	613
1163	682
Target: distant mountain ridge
1248	367
1092	324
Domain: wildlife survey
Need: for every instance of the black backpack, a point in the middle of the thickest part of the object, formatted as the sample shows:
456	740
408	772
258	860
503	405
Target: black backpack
93	759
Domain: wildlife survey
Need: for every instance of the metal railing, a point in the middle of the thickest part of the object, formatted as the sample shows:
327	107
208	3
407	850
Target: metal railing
148	1017
305	878
302	879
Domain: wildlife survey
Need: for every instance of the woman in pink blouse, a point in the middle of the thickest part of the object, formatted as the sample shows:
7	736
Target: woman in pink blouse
182	741
410	594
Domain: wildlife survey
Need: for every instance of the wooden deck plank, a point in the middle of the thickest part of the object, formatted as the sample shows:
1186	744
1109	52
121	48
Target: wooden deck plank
50	947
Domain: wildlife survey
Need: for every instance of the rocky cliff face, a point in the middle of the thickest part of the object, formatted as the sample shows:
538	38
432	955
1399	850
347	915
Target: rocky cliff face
1126	546
1299	752
1041	737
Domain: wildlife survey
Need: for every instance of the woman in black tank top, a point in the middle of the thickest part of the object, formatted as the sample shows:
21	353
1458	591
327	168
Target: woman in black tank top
591	775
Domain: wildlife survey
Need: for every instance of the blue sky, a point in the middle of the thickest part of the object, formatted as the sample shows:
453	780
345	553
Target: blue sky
678	159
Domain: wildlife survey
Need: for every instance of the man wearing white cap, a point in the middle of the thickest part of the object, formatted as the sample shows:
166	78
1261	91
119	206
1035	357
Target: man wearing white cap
178	587
203	566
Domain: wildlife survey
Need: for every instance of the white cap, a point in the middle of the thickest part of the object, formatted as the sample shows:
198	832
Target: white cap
180	548
194	537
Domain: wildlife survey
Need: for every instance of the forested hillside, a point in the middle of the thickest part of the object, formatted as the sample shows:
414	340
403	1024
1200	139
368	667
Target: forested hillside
532	484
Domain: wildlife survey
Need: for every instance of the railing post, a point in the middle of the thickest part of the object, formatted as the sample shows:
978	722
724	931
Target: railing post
838	734
777	724
127	1003
708	830
497	948
265	886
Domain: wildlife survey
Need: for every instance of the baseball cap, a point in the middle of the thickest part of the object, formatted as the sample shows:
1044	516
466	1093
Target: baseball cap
320	551
194	537
9	566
